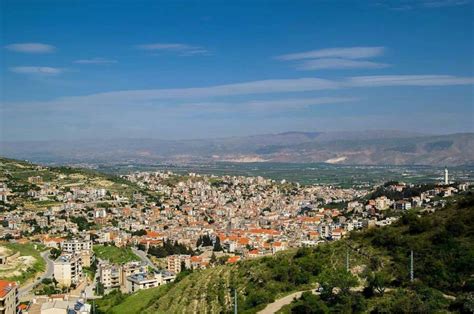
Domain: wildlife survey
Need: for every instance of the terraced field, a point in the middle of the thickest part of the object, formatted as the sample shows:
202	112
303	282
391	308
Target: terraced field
258	282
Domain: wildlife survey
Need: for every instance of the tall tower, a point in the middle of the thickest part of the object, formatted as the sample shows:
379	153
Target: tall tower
446	176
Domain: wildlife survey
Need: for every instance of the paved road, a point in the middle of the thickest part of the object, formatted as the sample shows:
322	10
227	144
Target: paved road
142	255
278	304
26	289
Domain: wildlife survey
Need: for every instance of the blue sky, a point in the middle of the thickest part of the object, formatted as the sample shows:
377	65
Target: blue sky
196	69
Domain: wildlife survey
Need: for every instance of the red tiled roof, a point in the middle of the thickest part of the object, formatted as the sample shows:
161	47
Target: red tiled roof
233	259
22	307
263	231
243	241
153	234
5	287
196	258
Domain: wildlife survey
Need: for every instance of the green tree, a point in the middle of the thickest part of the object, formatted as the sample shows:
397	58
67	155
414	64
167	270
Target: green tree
378	281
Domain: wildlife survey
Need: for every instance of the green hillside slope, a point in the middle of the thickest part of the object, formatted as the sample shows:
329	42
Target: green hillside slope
378	280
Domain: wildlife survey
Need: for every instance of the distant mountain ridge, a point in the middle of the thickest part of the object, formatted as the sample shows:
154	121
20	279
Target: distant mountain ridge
362	147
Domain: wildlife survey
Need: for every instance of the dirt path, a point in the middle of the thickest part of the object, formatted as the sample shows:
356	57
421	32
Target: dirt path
278	304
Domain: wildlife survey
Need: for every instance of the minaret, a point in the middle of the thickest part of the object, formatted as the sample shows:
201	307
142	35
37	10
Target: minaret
446	176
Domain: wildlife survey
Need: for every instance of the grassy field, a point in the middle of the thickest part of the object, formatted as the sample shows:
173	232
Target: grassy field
136	303
25	273
115	254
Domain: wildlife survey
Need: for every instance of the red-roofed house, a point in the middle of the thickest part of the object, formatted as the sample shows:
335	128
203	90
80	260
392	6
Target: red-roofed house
277	247
254	253
8	297
337	233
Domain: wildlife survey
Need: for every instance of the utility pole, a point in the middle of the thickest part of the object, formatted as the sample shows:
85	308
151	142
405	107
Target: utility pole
235	301
347	260
411	266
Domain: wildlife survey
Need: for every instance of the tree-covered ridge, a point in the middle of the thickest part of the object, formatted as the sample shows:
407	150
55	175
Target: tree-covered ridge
443	274
378	279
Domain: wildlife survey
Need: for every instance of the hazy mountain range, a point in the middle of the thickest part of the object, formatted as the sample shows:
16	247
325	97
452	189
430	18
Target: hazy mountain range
364	147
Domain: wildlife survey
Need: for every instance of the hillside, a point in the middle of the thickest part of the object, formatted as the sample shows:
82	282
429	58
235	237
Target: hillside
378	280
17	173
362	148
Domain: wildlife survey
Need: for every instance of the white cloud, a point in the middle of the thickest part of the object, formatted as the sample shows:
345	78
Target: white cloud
268	87
346	53
36	70
181	49
95	61
336	58
259	105
408	80
337	63
31	48
246	88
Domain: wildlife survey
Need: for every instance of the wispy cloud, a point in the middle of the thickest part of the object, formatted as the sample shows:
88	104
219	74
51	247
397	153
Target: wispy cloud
336	58
180	49
31	48
337	63
269	87
263	105
346	53
95	61
406	5
408	80
443	3
36	70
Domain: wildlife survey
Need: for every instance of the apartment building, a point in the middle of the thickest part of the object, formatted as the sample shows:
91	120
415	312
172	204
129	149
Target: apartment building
79	247
68	269
115	276
175	262
110	275
73	246
8	297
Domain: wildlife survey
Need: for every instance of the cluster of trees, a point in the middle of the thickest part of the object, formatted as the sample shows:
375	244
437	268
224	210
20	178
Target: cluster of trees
167	248
206	240
49	286
82	223
269	276
139	233
407	192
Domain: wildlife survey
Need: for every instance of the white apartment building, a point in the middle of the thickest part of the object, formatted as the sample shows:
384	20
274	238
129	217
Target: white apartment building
68	269
73	246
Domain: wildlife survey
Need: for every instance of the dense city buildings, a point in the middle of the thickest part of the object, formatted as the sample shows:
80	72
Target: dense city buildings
142	232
